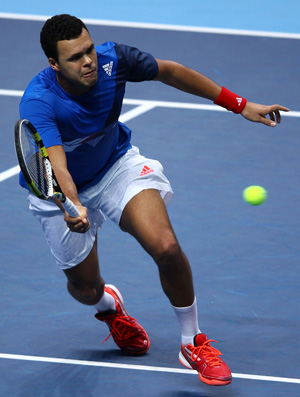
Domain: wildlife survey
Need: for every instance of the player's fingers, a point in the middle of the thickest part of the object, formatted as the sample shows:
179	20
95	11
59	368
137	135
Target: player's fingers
78	225
272	116
276	108
278	116
275	115
86	225
275	112
268	122
80	228
71	220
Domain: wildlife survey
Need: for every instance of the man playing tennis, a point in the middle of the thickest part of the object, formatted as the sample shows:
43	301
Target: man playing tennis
75	104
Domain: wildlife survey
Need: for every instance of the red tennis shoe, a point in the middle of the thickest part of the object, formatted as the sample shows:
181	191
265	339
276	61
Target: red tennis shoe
205	359
126	332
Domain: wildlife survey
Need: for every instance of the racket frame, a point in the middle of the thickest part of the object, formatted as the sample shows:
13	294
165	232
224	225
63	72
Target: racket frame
57	193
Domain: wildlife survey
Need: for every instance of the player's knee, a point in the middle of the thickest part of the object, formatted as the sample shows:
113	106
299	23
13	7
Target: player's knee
90	296
168	252
87	293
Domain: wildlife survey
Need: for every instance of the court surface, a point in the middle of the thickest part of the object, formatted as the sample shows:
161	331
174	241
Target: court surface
245	259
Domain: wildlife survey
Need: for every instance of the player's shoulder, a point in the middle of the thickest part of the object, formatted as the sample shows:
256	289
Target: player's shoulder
106	47
41	85
111	48
40	94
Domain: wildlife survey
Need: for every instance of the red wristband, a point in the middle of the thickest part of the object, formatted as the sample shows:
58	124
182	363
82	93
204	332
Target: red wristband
230	101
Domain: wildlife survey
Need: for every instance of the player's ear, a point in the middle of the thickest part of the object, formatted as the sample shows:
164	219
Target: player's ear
53	64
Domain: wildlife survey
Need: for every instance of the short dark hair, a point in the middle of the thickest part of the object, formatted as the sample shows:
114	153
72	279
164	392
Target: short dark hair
57	28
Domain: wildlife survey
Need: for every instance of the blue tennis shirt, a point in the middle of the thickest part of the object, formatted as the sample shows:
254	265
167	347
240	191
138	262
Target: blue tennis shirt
87	126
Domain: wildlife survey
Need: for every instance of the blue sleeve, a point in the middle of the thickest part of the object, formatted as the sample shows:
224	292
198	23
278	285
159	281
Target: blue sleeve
40	114
135	64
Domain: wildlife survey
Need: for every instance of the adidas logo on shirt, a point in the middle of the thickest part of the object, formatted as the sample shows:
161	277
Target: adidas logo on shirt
108	68
146	170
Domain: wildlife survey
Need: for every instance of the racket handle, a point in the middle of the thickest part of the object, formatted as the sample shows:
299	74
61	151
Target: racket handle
71	208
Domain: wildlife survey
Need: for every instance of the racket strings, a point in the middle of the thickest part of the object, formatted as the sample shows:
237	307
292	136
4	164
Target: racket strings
35	162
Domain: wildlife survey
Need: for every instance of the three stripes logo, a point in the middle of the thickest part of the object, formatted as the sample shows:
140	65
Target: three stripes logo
146	170
108	68
239	100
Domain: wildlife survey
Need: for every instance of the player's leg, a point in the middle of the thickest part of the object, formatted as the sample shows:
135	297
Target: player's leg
145	218
87	286
85	283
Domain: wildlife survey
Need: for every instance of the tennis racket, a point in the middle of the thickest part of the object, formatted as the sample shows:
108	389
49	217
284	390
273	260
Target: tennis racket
36	167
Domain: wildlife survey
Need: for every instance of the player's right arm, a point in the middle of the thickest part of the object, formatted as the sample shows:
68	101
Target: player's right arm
40	111
59	163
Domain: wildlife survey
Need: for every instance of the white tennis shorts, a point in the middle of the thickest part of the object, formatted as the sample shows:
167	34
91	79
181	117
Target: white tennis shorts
131	174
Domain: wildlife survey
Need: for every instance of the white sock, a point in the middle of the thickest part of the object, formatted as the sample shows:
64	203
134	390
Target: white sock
188	321
106	302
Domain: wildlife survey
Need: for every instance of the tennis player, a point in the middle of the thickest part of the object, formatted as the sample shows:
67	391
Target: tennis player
75	104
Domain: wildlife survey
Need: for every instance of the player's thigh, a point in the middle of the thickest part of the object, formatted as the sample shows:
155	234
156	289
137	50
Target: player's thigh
145	217
86	273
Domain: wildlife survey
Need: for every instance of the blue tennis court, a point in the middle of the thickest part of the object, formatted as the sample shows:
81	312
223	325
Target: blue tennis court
245	259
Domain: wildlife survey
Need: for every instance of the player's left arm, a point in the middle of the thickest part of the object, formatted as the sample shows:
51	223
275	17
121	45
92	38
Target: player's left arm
187	80
193	82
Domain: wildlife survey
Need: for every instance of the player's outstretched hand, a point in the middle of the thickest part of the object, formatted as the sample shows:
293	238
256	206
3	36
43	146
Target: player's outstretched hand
257	113
80	224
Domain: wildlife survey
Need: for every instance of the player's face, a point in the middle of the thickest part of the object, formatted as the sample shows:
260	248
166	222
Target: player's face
77	64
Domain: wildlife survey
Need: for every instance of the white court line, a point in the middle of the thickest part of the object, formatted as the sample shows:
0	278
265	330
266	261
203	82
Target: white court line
158	26
9	173
54	360
142	108
11	93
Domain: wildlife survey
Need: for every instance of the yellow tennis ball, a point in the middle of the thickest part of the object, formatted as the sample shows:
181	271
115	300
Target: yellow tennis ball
255	195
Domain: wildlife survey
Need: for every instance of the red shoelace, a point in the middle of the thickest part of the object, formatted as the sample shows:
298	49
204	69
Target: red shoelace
210	353
122	327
